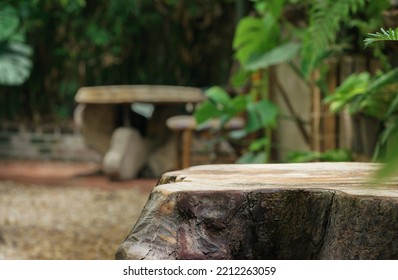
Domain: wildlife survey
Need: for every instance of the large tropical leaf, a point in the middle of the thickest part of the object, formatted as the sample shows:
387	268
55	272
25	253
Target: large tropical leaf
255	36
15	63
280	54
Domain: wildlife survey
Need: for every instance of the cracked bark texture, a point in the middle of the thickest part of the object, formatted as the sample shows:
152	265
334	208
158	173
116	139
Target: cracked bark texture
281	211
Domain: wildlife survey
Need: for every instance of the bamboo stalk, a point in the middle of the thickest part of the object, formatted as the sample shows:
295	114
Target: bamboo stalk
329	120
316	113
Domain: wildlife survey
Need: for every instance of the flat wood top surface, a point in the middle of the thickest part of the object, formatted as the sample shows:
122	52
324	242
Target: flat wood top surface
138	93
352	178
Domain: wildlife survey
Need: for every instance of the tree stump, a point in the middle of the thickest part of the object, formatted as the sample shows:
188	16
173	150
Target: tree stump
274	211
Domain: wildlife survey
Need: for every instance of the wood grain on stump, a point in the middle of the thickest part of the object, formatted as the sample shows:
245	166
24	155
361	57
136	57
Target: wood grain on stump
275	211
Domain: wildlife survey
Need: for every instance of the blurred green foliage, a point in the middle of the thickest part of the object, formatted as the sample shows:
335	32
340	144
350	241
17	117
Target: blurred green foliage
15	55
388	140
312	156
304	35
87	42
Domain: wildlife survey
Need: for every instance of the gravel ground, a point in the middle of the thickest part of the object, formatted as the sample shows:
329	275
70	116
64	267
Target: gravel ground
66	221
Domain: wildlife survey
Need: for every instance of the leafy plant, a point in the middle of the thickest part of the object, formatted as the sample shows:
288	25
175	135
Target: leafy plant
312	156
326	19
384	35
391	130
86	43
371	96
258	45
260	115
268	38
15	55
376	97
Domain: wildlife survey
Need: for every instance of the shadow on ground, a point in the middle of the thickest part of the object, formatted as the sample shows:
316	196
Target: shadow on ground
65	210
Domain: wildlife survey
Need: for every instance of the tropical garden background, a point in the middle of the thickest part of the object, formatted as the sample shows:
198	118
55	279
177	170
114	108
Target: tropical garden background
241	53
313	80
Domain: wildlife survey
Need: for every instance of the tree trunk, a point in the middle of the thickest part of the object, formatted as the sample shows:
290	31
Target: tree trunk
275	211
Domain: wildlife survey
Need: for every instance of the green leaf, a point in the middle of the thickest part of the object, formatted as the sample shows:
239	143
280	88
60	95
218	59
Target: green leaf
15	63
384	139
258	144
325	19
239	78
9	22
392	108
391	166
238	104
261	114
244	31
275	56
311	156
384	79
338	155
275	7
253	122
351	87
205	112
255	36
219	105
218	95
267	112
251	157
389	35
302	156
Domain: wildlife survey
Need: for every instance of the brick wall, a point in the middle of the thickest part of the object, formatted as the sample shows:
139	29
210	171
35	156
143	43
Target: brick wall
43	142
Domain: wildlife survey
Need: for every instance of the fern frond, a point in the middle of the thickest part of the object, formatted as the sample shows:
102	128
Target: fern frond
384	35
325	20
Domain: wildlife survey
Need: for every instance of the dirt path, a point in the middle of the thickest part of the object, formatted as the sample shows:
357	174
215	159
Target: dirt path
61	210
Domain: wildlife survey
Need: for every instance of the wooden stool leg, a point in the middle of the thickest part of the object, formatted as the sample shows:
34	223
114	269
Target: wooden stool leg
186	147
179	150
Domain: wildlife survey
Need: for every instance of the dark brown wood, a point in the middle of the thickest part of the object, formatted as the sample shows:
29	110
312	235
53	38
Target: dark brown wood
185	126
329	119
274	211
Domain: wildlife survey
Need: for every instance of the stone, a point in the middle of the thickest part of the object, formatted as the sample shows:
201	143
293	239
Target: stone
127	154
162	159
96	123
104	131
273	211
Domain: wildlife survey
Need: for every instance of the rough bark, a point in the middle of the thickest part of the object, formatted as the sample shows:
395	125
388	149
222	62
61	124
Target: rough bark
285	211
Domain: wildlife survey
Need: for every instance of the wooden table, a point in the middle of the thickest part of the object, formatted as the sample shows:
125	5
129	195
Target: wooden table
117	158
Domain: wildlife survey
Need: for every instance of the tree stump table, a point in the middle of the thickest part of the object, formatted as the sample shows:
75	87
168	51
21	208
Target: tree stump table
274	211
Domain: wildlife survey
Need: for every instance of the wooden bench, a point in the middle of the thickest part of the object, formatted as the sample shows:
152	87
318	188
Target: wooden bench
184	126
274	211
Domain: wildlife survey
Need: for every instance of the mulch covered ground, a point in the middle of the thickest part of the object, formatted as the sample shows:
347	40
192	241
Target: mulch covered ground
65	210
